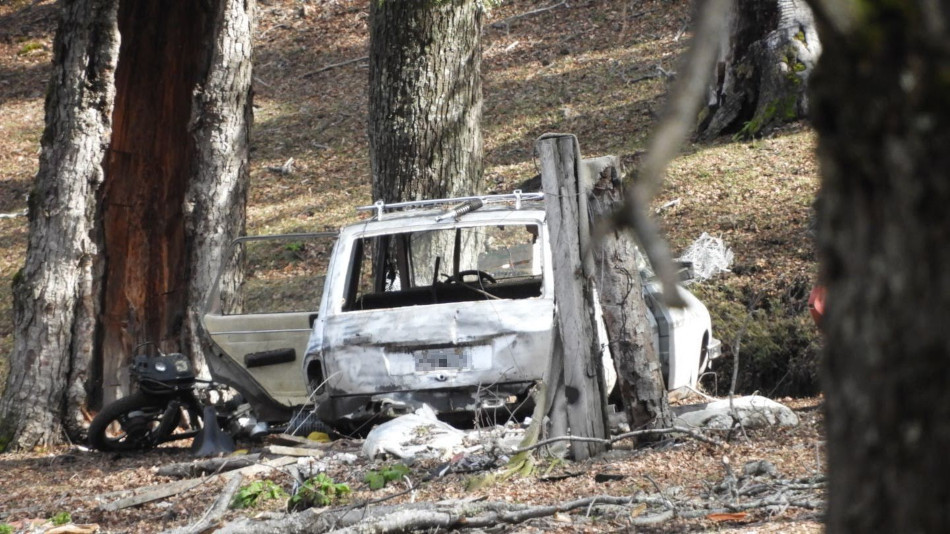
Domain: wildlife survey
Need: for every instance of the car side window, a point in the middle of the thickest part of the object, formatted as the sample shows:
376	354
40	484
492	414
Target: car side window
280	274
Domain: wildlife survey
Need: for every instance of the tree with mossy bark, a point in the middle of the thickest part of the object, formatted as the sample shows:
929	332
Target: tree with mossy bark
142	184
765	60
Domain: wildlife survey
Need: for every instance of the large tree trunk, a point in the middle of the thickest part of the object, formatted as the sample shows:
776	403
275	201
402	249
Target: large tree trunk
180	126
55	303
765	62
425	98
137	194
147	173
620	289
215	204
881	98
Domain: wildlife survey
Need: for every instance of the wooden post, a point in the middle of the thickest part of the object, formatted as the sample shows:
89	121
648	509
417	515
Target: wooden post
620	291
576	347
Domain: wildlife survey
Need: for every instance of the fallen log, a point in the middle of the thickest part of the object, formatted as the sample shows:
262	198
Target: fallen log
217	509
411	517
637	510
209	466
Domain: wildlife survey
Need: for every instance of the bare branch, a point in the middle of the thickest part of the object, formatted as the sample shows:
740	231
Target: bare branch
682	109
673	430
333	66
505	22
216	510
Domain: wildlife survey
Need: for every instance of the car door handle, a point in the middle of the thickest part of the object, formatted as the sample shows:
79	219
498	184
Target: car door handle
269	357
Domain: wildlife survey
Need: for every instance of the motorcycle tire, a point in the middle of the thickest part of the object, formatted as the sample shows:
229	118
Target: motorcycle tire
132	423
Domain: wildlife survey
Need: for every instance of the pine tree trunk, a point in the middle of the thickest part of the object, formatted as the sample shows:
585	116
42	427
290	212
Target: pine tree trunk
425	98
881	97
142	183
765	62
55	300
620	289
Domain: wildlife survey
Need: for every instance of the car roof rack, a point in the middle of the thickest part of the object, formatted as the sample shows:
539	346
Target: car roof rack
517	197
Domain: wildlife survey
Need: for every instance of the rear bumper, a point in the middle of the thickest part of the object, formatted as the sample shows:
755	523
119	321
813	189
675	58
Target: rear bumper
462	401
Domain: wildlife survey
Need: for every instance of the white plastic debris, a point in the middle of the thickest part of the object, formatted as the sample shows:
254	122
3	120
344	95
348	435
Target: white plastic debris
310	466
753	412
709	256
415	435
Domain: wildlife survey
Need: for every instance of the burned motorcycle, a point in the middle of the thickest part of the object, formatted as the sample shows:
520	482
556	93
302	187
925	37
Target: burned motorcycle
172	404
257	382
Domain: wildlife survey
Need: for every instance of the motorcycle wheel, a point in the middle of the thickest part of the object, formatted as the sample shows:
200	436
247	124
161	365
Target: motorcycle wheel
135	422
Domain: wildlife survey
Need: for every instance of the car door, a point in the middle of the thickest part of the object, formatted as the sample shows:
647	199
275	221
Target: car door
263	306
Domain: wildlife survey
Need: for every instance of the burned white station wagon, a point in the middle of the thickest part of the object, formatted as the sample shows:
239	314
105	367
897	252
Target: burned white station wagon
446	302
450	303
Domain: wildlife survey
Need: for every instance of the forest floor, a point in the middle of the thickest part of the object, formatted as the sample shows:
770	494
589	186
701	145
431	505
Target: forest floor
595	69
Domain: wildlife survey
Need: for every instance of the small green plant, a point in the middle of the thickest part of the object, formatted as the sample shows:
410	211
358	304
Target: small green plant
293	247
318	491
30	47
6	529
379	479
62	518
256	492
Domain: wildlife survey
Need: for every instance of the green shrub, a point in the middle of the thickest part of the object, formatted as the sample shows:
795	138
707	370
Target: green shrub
256	492
318	491
62	518
778	342
379	479
29	46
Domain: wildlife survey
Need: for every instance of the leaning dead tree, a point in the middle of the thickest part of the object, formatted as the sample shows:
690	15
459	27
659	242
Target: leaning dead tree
620	290
574	381
766	56
580	194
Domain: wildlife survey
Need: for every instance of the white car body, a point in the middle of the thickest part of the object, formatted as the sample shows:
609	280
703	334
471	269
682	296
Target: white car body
399	328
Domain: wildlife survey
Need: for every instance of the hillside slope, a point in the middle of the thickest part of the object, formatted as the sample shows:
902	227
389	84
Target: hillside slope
596	69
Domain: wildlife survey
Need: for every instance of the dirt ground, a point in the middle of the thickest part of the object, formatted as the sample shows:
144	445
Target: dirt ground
590	68
79	482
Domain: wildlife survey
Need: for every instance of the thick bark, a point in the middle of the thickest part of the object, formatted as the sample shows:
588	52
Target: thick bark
576	346
215	204
881	98
147	173
765	62
425	98
620	289
129	213
55	304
